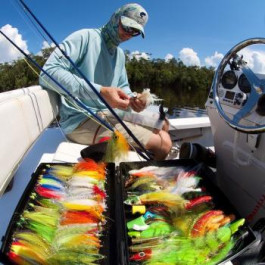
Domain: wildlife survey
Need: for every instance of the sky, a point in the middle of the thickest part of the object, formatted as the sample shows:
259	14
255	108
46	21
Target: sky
199	32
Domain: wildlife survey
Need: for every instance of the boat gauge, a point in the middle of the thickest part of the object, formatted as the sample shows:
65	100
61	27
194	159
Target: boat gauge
229	79
244	84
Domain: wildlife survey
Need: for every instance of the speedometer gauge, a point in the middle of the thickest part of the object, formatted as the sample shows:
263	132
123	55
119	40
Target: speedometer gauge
229	80
244	84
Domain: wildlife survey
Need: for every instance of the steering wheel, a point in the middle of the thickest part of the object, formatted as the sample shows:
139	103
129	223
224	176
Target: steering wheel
256	95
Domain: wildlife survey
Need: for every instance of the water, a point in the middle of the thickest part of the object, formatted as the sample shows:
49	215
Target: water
187	112
177	112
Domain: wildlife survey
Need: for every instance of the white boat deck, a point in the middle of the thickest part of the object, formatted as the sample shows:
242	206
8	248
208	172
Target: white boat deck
189	123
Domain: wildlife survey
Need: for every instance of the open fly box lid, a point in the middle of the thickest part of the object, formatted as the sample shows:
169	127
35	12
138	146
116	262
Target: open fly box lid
245	238
107	237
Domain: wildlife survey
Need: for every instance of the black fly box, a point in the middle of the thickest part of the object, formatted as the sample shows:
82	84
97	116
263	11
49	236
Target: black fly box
117	245
16	237
132	252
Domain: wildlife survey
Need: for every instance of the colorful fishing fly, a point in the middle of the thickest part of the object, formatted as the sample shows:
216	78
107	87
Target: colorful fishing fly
117	148
160	197
161	172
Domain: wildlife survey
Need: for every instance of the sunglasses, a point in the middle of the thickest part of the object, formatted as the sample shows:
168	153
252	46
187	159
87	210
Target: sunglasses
132	31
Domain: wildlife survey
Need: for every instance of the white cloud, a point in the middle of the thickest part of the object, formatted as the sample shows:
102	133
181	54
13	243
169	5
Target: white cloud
46	45
138	55
8	52
189	57
255	60
213	60
169	57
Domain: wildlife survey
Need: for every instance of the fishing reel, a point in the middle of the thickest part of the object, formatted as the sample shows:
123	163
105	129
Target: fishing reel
238	91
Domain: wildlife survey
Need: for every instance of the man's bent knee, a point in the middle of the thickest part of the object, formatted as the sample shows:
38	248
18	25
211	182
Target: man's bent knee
160	144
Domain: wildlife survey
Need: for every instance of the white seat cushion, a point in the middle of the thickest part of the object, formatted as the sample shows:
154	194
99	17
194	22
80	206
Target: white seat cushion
24	114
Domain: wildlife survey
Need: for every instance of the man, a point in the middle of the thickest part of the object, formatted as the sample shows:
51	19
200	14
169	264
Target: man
96	53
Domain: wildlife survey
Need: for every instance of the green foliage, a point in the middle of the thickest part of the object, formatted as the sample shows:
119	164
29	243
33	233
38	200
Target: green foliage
18	74
177	84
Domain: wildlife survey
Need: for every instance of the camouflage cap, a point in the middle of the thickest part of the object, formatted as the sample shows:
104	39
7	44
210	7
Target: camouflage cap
134	16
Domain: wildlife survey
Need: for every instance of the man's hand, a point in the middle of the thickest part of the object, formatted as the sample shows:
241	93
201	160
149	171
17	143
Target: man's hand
138	103
115	97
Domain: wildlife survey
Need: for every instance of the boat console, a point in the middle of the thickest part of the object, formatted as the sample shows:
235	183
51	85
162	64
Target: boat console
234	89
236	108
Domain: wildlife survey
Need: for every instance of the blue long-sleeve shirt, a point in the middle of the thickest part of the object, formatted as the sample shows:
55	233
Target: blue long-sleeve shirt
89	52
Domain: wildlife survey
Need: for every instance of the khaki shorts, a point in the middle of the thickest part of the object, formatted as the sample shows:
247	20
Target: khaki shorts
90	132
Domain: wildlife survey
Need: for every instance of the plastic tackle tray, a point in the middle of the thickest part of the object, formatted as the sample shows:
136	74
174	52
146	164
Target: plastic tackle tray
108	249
246	238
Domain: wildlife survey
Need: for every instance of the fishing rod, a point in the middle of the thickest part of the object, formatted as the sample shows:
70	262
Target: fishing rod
76	99
88	82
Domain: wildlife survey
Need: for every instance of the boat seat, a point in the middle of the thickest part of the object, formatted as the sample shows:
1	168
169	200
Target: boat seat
24	114
18	92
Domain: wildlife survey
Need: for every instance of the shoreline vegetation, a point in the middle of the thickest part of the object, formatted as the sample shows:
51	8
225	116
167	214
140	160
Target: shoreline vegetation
177	84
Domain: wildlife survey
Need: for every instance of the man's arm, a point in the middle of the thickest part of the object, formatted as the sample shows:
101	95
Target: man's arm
75	46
